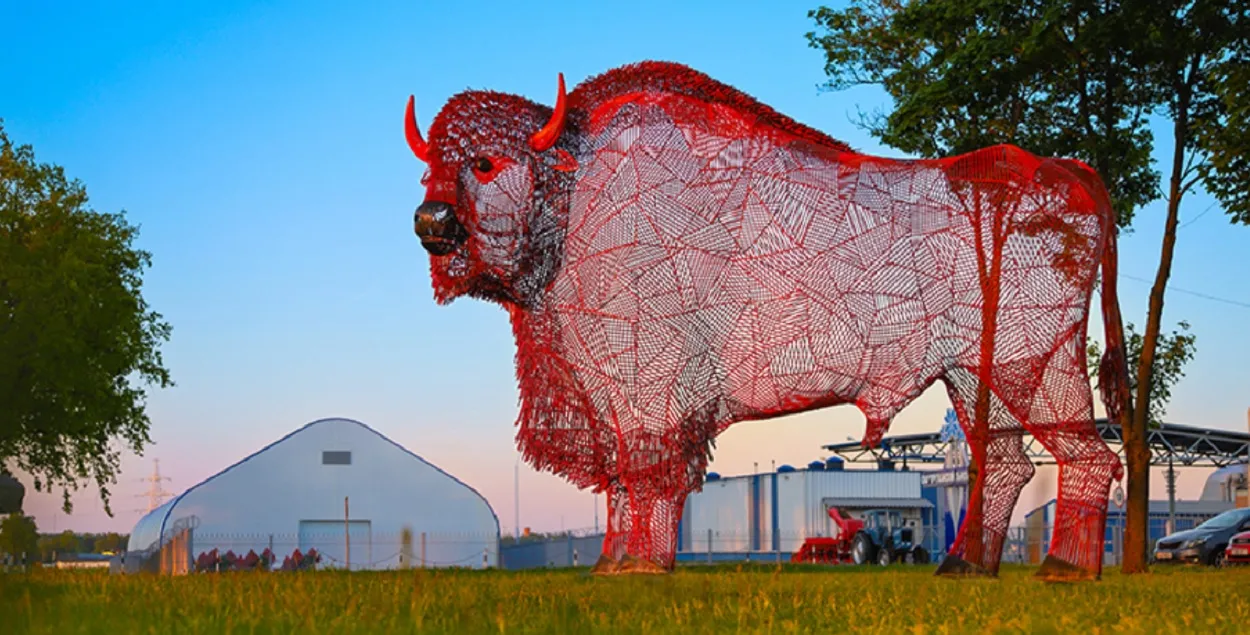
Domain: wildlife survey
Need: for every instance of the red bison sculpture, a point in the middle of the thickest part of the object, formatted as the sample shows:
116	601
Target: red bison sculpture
676	257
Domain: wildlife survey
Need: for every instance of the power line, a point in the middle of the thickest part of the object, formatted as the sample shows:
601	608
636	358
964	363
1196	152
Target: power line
1200	215
1204	296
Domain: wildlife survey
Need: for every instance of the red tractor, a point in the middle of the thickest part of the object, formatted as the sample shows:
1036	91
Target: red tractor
882	537
831	550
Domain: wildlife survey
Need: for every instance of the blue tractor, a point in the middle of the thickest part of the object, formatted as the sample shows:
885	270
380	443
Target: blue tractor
885	538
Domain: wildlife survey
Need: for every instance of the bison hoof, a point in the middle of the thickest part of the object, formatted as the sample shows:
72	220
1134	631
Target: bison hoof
956	567
632	564
604	566
1059	570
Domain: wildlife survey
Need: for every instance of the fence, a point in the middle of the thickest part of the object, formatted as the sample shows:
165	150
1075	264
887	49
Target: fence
730	546
1021	545
565	551
188	550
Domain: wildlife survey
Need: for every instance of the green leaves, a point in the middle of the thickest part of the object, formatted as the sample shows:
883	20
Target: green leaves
78	342
1172	351
18	536
1223	132
1054	78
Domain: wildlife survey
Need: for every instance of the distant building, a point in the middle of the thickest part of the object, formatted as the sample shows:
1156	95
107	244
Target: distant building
82	561
291	495
1227	484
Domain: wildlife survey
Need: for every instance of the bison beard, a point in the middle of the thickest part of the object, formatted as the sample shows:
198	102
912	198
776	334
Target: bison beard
683	258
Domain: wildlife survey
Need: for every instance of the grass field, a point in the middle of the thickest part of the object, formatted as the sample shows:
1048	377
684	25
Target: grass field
693	600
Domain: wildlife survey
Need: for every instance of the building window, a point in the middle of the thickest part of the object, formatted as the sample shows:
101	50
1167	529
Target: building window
336	457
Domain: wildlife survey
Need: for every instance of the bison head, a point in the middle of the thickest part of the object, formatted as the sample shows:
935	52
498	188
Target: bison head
496	195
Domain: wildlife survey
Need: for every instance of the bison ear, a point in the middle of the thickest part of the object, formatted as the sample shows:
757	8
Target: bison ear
565	161
547	136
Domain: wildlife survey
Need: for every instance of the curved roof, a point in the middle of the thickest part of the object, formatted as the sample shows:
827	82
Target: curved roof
152	526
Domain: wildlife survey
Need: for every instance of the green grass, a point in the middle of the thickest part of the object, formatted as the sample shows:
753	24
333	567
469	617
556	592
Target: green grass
693	600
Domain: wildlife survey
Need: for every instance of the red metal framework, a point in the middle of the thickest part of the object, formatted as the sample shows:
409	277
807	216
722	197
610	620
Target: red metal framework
676	257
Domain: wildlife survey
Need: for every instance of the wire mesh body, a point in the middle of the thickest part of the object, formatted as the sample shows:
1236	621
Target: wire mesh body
685	258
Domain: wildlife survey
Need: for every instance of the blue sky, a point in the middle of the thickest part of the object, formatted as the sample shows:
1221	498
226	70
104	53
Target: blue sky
259	145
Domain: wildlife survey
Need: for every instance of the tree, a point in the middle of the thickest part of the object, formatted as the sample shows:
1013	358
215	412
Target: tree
19	538
1173	351
11	493
52	546
77	340
111	542
1194	58
1077	79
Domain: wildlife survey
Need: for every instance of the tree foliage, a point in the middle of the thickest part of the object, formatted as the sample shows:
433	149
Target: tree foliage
1051	77
11	493
18	536
78	342
50	546
1173	351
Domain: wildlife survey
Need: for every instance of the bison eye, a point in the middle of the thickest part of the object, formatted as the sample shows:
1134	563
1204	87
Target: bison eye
483	165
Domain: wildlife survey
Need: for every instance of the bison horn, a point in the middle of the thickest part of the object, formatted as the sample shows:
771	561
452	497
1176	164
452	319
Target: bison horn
413	133
545	138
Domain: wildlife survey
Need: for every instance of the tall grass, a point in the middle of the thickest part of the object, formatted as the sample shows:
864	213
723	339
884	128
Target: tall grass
694	600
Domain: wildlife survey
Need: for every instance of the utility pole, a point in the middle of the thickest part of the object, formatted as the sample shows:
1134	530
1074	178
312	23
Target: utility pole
1171	482
1247	499
156	495
516	498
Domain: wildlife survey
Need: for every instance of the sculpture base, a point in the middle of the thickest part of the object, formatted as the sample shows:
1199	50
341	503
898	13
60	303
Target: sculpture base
604	566
631	564
627	565
956	567
1058	570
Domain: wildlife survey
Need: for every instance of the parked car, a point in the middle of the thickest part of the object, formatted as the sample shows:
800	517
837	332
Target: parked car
1206	543
1238	551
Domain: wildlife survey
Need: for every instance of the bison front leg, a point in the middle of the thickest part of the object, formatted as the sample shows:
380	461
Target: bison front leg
642	529
1005	470
998	472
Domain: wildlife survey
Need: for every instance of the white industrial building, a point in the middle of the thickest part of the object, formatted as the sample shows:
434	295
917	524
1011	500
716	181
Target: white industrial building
335	485
772	514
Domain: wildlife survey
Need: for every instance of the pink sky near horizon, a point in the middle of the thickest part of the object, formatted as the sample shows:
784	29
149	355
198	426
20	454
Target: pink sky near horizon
547	502
260	148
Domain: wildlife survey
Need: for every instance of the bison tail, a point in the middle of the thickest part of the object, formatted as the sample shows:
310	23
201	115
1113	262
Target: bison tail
1113	385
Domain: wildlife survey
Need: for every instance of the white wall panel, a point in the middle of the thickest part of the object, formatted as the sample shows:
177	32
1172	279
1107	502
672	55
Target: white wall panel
723	507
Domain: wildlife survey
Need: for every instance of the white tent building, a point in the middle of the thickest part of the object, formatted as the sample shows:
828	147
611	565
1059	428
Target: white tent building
335	485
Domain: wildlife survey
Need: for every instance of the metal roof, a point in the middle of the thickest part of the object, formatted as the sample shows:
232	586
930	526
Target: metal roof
1160	508
875	503
1182	445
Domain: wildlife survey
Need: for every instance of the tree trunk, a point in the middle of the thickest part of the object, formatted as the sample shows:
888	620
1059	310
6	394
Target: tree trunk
1136	535
1136	499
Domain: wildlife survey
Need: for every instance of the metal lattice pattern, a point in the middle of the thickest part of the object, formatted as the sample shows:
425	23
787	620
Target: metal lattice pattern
679	257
